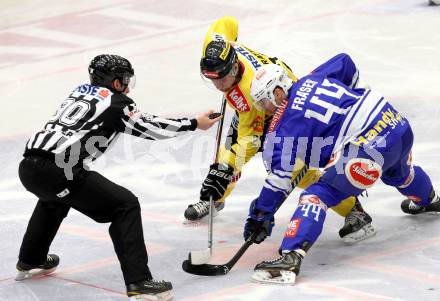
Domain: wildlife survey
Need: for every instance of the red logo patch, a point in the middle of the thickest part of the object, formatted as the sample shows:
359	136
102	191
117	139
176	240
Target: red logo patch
237	99
313	199
278	114
363	173
293	228
104	93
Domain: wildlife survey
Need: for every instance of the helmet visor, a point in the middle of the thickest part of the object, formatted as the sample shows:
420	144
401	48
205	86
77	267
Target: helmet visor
129	79
215	72
217	67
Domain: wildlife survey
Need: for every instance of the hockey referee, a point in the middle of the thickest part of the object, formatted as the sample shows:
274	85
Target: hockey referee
54	168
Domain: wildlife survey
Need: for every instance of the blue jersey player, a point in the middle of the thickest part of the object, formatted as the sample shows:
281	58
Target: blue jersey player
354	134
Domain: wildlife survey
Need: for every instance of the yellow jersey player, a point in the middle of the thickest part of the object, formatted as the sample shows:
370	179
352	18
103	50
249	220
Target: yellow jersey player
231	66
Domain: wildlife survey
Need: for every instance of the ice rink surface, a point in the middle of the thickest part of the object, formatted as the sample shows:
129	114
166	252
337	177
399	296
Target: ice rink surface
45	47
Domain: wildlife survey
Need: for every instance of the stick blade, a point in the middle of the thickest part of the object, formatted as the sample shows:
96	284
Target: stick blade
199	257
204	269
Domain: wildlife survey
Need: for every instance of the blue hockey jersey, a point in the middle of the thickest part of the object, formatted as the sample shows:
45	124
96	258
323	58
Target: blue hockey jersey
321	115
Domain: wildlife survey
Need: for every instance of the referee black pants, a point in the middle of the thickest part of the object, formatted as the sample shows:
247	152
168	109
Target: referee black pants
91	194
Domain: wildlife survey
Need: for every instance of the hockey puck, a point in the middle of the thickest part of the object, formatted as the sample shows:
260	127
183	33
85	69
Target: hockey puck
214	115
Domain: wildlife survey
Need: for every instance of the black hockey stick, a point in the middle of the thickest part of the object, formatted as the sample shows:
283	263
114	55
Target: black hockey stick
223	269
218	269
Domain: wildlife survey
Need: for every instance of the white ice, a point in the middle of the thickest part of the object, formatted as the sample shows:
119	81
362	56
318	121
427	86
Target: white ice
45	47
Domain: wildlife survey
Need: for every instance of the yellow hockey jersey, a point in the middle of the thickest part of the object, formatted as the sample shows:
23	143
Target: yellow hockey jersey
251	122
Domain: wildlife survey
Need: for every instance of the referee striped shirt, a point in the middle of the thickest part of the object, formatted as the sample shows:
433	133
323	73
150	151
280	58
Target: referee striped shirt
92	117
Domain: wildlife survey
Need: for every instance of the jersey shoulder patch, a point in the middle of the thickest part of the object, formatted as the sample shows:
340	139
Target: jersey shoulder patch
103	93
238	100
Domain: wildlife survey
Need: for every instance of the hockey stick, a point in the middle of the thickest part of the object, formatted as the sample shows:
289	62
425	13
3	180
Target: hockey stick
203	256
223	269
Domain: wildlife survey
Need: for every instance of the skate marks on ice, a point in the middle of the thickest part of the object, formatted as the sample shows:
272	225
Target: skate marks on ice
410	271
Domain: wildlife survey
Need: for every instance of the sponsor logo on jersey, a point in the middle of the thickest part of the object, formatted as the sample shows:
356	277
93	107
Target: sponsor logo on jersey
311	199
258	124
104	93
362	173
278	114
97	92
248	56
293	228
387	122
237	99
87	89
264	59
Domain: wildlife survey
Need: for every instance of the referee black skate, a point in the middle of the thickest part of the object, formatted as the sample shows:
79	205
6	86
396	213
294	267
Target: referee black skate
54	168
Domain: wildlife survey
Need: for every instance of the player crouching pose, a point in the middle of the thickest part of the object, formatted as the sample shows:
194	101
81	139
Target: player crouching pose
319	120
230	67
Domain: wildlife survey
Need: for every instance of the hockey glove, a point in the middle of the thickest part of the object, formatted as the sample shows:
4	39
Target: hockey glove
216	182
260	222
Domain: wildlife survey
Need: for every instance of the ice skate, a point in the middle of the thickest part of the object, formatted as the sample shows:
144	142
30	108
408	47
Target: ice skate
200	209
357	225
26	271
279	271
410	207
150	290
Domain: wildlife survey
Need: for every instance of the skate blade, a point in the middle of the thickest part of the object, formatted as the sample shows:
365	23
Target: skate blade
165	296
434	213
23	275
286	278
188	223
366	232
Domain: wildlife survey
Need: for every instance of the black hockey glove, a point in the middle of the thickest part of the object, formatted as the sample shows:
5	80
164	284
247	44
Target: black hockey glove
258	221
216	182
